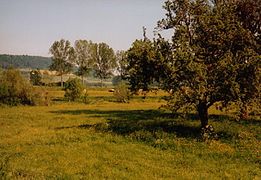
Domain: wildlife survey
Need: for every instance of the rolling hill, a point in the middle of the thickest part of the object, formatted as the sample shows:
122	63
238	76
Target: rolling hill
24	61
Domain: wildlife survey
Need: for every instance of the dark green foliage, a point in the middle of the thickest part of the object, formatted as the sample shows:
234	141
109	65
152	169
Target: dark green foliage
35	77
141	68
24	61
73	89
215	58
122	93
15	90
248	12
212	56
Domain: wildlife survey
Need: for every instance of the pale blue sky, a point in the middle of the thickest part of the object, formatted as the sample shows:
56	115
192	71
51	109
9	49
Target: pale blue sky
31	26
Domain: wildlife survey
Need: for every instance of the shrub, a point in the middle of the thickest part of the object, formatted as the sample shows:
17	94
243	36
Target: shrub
15	90
40	96
122	93
35	77
84	97
73	89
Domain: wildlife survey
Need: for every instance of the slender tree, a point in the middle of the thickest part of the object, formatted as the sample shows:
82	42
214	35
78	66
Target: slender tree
104	61
84	61
62	57
121	61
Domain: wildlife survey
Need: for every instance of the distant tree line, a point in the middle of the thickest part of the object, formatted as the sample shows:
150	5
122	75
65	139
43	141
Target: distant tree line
86	56
24	61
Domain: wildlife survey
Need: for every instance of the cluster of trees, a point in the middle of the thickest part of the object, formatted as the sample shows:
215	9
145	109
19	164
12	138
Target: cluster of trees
212	56
85	56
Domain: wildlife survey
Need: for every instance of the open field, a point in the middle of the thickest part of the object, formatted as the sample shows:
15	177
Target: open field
136	140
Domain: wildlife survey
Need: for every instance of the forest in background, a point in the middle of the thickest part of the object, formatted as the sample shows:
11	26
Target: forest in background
24	61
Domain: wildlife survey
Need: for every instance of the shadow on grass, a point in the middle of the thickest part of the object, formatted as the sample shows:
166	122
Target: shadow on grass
149	123
129	122
57	99
222	118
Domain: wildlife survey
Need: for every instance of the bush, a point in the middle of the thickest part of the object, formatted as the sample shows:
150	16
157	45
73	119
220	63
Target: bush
122	93
35	77
85	96
73	89
15	90
41	96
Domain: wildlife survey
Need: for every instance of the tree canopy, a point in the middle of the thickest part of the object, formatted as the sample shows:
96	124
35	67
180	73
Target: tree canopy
63	56
84	61
104	60
121	61
142	69
212	56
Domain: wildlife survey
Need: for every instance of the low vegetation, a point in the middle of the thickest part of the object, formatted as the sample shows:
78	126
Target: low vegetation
73	89
122	92
107	139
15	90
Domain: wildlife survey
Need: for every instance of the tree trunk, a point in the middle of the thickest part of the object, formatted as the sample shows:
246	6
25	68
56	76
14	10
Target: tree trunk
203	113
102	83
243	112
61	80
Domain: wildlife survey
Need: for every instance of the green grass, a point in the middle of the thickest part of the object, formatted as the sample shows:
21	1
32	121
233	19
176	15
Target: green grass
109	140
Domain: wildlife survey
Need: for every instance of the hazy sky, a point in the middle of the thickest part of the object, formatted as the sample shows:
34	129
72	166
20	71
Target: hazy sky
31	26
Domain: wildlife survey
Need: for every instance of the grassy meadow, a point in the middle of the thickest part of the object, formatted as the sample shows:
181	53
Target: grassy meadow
108	140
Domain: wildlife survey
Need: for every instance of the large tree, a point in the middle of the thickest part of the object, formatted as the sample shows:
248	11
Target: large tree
211	56
62	57
84	61
104	61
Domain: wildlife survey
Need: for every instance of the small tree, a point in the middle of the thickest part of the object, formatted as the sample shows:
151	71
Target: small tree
104	61
36	77
141	68
122	93
62	57
73	89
